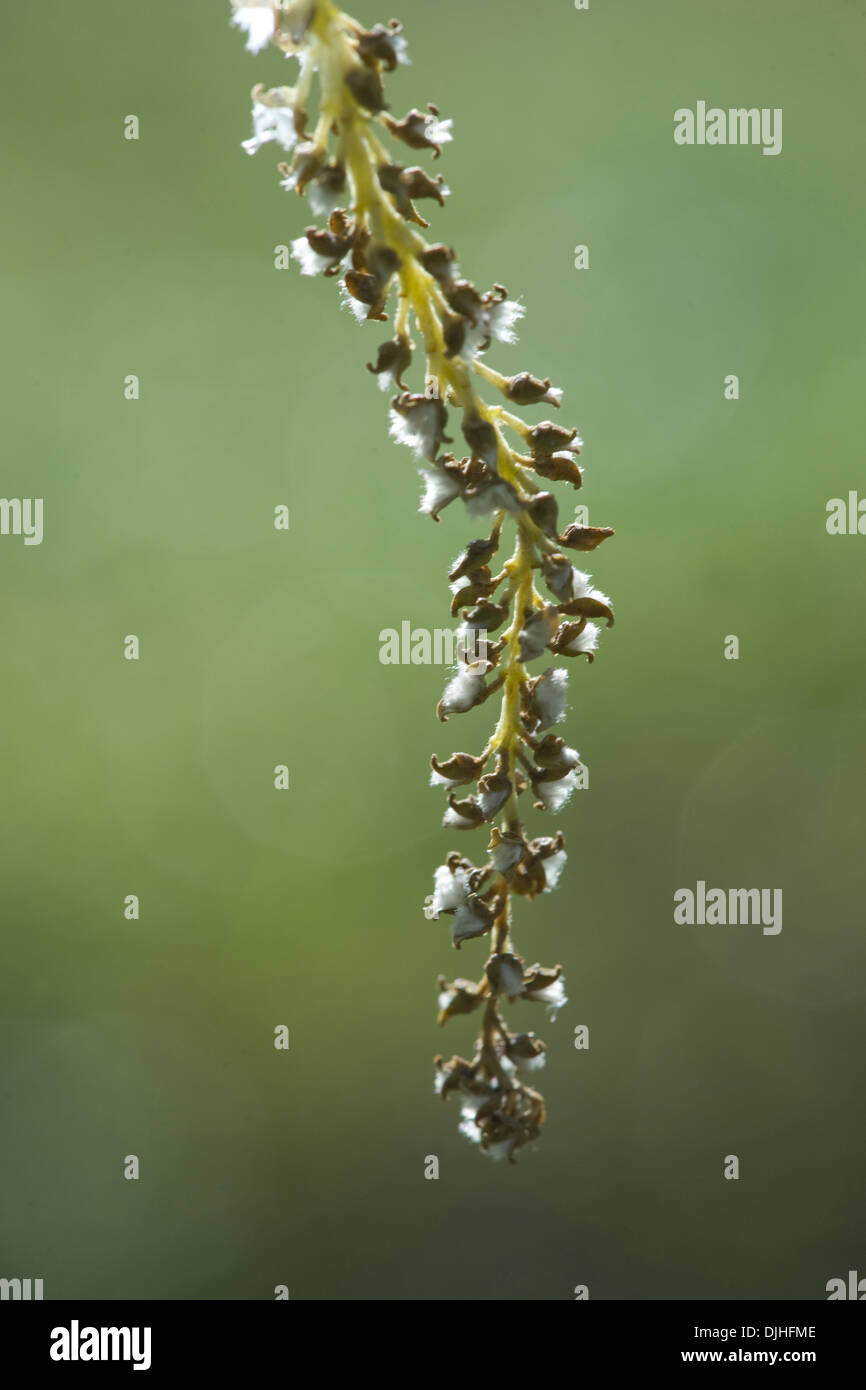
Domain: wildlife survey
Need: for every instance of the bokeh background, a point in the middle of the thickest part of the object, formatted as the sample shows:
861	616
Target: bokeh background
154	1037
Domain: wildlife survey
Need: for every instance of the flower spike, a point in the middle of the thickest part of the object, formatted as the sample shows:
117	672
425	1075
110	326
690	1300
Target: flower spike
348	156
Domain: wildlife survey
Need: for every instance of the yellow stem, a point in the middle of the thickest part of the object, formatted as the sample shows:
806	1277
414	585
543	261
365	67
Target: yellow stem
421	295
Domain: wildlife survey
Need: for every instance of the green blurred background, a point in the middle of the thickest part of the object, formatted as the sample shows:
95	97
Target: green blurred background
155	1037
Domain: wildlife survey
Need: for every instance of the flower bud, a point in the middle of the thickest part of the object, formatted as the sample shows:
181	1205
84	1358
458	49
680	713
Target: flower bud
395	357
537	631
591	605
547	695
381	45
576	639
585	537
476	554
560	468
418	184
465	690
458	997
482	439
421	130
545	987
544	510
365	84
525	1051
456	770
473	918
505	973
506	849
419	421
525	389
486	616
557	571
547	438
463	815
438	260
493	792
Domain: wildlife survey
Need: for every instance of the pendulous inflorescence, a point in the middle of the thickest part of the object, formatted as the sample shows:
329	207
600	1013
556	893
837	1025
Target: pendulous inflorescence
351	157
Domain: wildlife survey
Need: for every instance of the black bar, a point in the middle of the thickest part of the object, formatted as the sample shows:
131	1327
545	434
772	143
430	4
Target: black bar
220	1338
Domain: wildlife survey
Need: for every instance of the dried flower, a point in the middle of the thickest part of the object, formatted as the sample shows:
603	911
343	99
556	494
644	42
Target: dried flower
372	241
